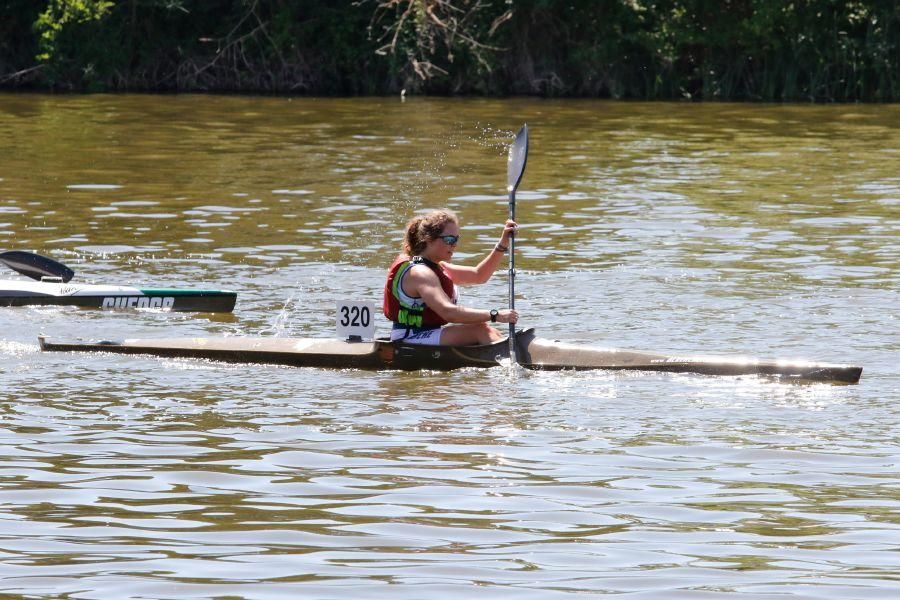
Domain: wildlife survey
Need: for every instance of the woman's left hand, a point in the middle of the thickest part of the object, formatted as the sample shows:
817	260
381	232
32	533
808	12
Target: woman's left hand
510	227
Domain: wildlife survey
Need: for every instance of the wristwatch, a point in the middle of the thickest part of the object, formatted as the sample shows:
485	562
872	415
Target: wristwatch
494	315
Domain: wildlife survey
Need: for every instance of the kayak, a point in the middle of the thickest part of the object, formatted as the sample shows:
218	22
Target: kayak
52	287
523	348
15	292
531	351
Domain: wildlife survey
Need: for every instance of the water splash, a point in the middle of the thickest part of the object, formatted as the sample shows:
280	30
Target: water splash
494	138
279	324
512	369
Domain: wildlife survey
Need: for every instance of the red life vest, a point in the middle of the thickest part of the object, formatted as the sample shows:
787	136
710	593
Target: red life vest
413	315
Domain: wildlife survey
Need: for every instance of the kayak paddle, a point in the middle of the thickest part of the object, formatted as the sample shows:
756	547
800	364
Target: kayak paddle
35	266
515	168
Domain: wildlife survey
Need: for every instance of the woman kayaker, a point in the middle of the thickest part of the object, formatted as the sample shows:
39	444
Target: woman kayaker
420	295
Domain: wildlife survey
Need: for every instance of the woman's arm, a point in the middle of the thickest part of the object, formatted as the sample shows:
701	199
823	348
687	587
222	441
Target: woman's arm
424	283
462	275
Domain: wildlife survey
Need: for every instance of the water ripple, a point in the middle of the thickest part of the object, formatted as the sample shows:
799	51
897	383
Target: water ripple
715	229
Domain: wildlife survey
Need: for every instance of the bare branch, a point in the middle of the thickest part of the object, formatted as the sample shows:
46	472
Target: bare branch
22	73
419	28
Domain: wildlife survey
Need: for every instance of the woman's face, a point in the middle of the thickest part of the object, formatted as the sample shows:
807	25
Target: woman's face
439	249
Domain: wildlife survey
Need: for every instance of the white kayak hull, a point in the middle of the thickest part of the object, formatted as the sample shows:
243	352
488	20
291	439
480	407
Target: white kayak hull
532	352
15	292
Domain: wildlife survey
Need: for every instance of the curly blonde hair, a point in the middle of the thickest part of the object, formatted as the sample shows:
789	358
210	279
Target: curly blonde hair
422	229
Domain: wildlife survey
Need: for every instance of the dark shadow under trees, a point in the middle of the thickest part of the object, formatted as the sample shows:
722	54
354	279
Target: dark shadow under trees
764	50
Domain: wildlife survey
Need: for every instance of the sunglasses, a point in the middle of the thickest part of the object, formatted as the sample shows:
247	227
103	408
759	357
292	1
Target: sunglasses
450	240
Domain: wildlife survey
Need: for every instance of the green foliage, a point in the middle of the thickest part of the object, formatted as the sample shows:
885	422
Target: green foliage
62	24
61	14
772	50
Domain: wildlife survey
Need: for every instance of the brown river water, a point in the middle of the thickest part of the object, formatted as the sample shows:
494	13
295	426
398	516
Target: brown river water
703	228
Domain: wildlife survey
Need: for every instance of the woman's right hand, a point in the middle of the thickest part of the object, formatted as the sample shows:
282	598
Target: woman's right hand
507	316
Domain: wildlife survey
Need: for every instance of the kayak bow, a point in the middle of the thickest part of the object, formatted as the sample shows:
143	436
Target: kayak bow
52	288
532	352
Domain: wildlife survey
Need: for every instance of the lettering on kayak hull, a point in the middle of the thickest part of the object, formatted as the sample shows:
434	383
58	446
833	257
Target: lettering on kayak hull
120	302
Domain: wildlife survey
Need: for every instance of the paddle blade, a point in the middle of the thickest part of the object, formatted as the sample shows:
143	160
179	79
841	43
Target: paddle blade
35	266
518	156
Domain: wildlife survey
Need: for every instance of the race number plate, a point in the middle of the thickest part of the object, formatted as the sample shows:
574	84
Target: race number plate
356	320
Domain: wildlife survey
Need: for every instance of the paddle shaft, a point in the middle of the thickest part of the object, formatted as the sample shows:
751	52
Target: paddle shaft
512	275
515	168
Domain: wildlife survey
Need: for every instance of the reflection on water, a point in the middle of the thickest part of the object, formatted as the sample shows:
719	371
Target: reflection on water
759	229
328	176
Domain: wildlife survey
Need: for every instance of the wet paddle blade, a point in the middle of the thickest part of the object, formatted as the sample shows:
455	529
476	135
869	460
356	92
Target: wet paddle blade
518	156
35	266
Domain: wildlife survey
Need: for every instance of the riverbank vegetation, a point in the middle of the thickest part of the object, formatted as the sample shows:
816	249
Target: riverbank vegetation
758	50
